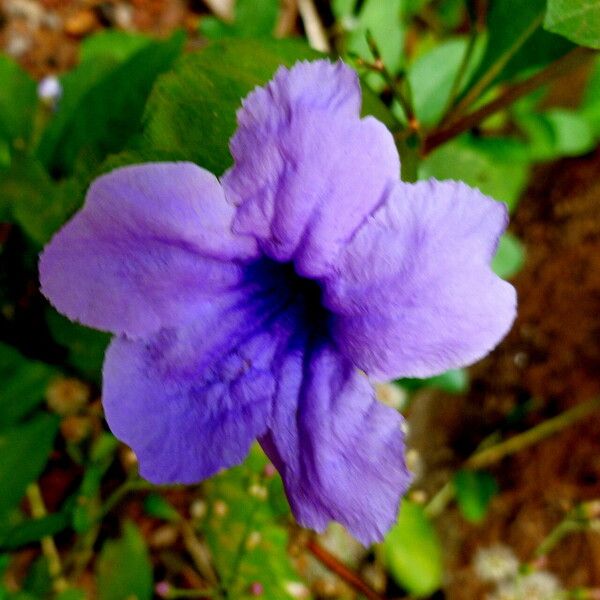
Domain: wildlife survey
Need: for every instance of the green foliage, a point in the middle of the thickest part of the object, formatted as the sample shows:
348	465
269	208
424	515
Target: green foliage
383	21
110	46
556	133
577	20
413	553
245	531
33	530
32	440
516	41
252	19
474	491
156	506
510	256
23	384
454	381
33	200
86	347
124	569
92	120
18	101
499	167
432	76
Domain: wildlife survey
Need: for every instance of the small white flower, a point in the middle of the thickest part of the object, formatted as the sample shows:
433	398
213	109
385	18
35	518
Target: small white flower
540	585
496	563
49	90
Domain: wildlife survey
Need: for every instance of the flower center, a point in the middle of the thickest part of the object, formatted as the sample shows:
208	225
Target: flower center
306	295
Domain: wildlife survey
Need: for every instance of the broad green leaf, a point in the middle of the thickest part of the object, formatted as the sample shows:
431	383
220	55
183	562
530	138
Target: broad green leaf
18	100
499	167
33	530
34	201
556	133
516	40
113	44
23	383
474	491
432	75
191	112
86	346
100	120
510	256
25	449
244	531
252	19
124	569
577	20
413	553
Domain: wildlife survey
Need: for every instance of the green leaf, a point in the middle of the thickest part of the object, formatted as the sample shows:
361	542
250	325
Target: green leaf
96	120
474	491
33	530
454	381
23	383
34	201
113	44
499	167
516	40
413	553
191	112
577	20
18	101
252	19
510	256
244	531
124	569
557	133
432	75
590	106
86	346
25	450
156	506
383	20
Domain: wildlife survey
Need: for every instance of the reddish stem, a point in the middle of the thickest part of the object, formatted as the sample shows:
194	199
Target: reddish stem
342	571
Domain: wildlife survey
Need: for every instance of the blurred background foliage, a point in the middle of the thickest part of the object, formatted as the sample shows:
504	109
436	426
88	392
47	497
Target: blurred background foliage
478	91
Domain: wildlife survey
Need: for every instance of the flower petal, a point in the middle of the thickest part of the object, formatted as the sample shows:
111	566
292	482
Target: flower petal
151	242
191	400
415	294
339	451
307	169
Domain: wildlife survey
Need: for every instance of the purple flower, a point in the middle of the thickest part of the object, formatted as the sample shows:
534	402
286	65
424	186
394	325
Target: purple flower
243	309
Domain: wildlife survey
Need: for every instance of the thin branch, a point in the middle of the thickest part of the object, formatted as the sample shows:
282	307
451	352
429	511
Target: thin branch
342	571
315	32
488	77
38	511
509	96
493	454
532	436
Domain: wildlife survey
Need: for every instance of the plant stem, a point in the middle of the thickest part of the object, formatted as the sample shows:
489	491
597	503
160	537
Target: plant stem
460	74
557	534
496	68
342	571
492	454
510	95
38	510
495	453
404	100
